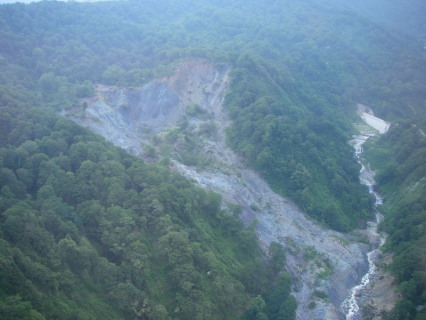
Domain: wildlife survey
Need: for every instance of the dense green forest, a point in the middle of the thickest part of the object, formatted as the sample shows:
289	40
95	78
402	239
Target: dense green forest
290	86
88	231
298	69
402	181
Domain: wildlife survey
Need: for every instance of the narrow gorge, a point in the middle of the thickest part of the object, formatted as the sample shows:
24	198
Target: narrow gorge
181	118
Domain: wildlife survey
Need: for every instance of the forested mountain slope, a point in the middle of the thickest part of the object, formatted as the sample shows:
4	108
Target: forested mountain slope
298	69
90	232
399	159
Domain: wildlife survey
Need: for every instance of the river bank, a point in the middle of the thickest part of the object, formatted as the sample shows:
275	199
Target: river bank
380	295
375	294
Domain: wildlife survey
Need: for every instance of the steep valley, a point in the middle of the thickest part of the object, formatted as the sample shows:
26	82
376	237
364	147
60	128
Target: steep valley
166	160
181	118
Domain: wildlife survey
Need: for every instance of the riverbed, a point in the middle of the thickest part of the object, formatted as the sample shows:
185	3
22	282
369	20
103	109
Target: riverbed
351	306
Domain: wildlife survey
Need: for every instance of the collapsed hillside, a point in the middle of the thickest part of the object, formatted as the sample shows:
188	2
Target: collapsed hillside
181	118
127	116
297	68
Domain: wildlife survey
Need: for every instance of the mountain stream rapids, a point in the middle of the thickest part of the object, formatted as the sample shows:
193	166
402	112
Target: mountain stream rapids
350	305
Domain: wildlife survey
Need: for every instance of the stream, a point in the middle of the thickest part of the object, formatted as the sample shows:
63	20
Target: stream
350	305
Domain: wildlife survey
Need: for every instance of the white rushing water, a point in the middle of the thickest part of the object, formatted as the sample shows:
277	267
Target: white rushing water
350	305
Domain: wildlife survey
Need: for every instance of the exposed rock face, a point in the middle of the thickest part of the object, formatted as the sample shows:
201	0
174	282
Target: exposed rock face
125	115
326	264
